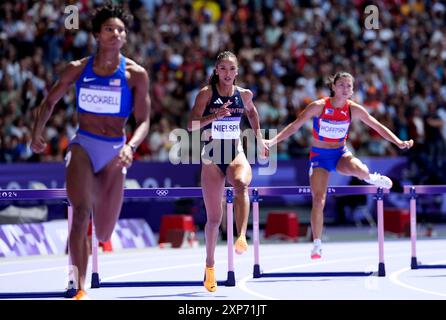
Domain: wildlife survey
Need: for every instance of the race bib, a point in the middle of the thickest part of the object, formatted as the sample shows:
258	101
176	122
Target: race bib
333	130
226	128
100	100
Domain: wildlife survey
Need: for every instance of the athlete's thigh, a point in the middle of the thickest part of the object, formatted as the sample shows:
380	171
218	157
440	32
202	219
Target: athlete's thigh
109	187
319	181
239	171
80	178
349	164
213	184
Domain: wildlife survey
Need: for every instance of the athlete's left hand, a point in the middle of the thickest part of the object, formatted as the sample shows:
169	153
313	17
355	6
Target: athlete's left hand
406	144
125	157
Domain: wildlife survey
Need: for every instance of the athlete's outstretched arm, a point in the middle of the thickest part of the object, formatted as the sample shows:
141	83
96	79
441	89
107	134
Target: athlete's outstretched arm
312	110
359	112
44	111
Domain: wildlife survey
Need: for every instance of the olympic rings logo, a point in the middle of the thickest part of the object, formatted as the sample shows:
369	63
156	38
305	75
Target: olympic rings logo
162	192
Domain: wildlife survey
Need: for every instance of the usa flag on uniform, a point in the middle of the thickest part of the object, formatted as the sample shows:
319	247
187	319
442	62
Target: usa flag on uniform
115	82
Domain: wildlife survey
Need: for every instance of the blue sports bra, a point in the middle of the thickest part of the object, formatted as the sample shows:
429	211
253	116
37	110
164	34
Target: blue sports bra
101	95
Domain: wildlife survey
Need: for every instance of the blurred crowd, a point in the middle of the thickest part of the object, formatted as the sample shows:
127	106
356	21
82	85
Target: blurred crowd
286	50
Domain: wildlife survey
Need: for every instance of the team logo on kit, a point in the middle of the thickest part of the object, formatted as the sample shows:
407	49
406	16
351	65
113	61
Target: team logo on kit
218	101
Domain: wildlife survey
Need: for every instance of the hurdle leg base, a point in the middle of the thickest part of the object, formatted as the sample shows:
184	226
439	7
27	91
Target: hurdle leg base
71	290
95	283
256	272
381	270
230	282
414	263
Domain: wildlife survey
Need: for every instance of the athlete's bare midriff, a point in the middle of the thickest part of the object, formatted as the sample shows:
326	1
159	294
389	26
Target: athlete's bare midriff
103	125
326	144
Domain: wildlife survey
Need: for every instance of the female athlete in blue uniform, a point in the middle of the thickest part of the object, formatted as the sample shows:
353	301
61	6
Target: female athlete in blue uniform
217	110
331	120
109	87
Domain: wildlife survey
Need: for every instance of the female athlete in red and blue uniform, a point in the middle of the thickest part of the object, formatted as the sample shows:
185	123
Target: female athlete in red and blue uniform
331	120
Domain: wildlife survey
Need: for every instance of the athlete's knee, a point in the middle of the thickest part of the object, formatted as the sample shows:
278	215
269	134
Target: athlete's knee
213	224
319	199
80	222
213	221
81	213
241	185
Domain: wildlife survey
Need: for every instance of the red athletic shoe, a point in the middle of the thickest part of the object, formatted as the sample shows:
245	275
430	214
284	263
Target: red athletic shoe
316	253
106	246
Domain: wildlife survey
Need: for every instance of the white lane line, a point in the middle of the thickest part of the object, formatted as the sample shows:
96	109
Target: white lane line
123	275
7	274
243	286
394	277
115	261
243	282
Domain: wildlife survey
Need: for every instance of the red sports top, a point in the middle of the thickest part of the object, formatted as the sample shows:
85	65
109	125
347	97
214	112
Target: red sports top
333	123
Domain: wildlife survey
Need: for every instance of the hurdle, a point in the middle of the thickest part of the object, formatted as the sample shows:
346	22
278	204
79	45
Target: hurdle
196	192
40	194
181	192
414	191
60	194
305	191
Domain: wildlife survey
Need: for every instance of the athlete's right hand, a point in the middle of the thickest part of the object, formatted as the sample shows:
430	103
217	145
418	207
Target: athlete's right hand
264	148
38	143
223	111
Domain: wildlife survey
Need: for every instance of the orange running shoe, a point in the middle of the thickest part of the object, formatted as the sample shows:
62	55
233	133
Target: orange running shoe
209	280
81	295
241	245
106	246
